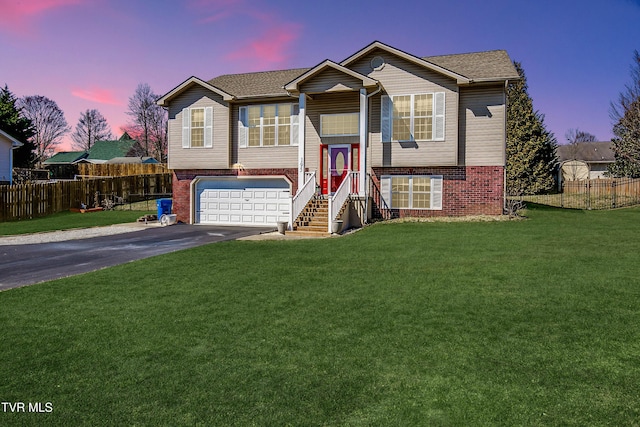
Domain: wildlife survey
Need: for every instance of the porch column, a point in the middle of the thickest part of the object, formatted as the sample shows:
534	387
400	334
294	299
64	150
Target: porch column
364	126
302	116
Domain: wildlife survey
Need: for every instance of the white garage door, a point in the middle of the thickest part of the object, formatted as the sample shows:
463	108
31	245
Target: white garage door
252	202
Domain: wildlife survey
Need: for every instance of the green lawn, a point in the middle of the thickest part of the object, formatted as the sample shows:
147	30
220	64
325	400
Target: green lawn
67	220
532	322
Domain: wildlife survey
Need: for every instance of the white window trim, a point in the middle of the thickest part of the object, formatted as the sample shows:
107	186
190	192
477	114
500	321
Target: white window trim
435	195
208	127
437	118
322	134
243	128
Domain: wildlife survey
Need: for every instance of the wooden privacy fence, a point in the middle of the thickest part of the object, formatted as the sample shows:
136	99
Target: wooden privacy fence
36	200
124	169
603	193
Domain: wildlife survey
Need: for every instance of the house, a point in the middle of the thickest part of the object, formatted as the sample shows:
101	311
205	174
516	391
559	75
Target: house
7	145
132	160
584	160
103	151
381	131
64	164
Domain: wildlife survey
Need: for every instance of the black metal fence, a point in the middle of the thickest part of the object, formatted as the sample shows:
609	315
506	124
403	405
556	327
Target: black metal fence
591	194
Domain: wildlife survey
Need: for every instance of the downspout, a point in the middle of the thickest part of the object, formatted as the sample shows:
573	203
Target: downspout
364	166
504	172
192	199
11	164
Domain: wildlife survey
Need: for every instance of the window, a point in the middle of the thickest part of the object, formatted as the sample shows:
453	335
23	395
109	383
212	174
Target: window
418	117
347	124
412	191
268	125
197	127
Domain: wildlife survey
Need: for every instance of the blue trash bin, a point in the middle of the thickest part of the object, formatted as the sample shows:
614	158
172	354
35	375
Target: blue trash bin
164	207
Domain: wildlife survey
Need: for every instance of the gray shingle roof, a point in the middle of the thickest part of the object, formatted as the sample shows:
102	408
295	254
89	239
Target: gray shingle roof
494	64
265	83
593	152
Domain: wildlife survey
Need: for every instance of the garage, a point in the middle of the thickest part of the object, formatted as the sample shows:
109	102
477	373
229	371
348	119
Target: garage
242	201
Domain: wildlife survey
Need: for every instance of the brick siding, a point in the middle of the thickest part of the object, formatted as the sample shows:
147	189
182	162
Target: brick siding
471	190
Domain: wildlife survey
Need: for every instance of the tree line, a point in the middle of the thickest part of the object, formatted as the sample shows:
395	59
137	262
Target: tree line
40	125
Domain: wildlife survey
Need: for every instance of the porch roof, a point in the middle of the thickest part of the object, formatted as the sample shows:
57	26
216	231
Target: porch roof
295	84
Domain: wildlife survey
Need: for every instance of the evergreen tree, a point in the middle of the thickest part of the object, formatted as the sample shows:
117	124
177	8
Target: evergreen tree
531	148
626	116
15	124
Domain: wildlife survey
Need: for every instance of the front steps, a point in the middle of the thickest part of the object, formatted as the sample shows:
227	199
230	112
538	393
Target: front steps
314	218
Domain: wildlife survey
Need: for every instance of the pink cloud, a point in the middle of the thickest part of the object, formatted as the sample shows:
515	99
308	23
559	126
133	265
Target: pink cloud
101	96
16	16
270	48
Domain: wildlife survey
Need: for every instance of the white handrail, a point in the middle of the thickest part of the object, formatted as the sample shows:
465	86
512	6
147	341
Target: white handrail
347	187
303	196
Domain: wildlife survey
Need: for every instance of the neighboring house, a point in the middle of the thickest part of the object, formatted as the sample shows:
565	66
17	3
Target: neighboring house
131	160
124	150
103	151
382	130
584	160
7	145
64	164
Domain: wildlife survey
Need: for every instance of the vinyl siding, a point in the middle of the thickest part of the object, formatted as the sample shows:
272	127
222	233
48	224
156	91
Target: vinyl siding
5	164
216	157
400	77
261	157
482	121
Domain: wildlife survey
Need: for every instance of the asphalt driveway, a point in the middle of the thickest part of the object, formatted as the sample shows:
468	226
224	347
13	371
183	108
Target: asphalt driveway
22	265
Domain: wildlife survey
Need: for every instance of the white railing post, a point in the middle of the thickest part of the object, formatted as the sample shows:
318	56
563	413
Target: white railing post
341	195
302	197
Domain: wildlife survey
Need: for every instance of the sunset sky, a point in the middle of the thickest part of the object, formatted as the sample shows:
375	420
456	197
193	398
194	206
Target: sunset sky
87	54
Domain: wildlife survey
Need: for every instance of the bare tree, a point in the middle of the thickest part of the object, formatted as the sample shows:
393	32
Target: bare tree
628	98
91	127
150	119
575	136
159	133
48	122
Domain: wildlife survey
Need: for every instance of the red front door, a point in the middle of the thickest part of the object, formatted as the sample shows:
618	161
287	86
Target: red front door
336	161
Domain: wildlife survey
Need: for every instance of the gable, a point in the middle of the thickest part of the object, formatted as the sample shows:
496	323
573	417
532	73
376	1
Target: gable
188	84
11	141
398	75
331	80
380	49
329	77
